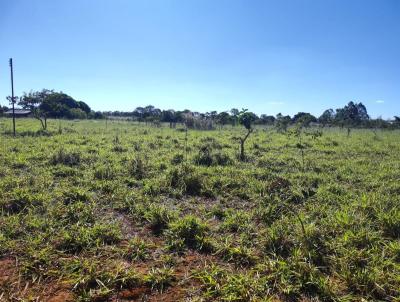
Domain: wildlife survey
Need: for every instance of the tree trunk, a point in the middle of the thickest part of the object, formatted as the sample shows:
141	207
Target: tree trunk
41	122
242	141
242	156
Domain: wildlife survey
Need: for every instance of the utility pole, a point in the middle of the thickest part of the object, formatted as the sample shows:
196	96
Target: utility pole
12	94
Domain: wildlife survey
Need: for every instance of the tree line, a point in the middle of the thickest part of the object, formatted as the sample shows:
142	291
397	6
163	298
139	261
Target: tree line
352	115
47	103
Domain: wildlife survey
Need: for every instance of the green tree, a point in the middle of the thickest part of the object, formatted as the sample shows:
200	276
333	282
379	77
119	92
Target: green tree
246	119
46	104
235	114
304	118
327	117
282	122
33	101
223	118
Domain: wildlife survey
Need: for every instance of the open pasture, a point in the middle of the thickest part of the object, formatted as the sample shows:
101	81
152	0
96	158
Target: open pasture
121	211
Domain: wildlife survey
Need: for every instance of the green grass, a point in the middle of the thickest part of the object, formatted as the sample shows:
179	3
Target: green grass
101	208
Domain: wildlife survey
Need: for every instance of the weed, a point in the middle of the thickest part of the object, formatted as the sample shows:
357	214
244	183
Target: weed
137	249
191	232
158	217
160	278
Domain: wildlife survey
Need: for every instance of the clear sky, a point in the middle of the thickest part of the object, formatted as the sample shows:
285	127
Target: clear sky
267	56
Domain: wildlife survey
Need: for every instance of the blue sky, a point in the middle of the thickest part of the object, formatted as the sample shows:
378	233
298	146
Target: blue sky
267	56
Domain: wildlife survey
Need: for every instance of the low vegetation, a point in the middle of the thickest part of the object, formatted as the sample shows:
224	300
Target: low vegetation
97	210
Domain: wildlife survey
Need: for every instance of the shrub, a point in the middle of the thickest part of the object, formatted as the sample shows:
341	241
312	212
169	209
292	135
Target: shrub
204	157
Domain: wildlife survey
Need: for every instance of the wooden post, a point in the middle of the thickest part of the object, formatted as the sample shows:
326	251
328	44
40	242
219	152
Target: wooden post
12	94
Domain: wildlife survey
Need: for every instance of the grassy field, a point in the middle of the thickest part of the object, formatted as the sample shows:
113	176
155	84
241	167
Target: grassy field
116	211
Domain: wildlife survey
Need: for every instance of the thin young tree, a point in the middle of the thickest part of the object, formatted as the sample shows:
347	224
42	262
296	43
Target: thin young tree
246	119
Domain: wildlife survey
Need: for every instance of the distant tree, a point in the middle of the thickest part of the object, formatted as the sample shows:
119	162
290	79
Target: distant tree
97	115
47	103
169	116
77	113
396	122
138	113
282	122
84	107
246	119
59	105
351	115
304	119
33	101
266	119
327	117
223	118
3	109
235	114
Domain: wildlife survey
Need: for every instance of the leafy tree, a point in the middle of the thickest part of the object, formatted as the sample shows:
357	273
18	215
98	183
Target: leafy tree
139	113
246	119
46	104
351	115
266	119
77	113
235	114
33	101
3	109
223	118
282	122
327	117
84	107
169	116
303	118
